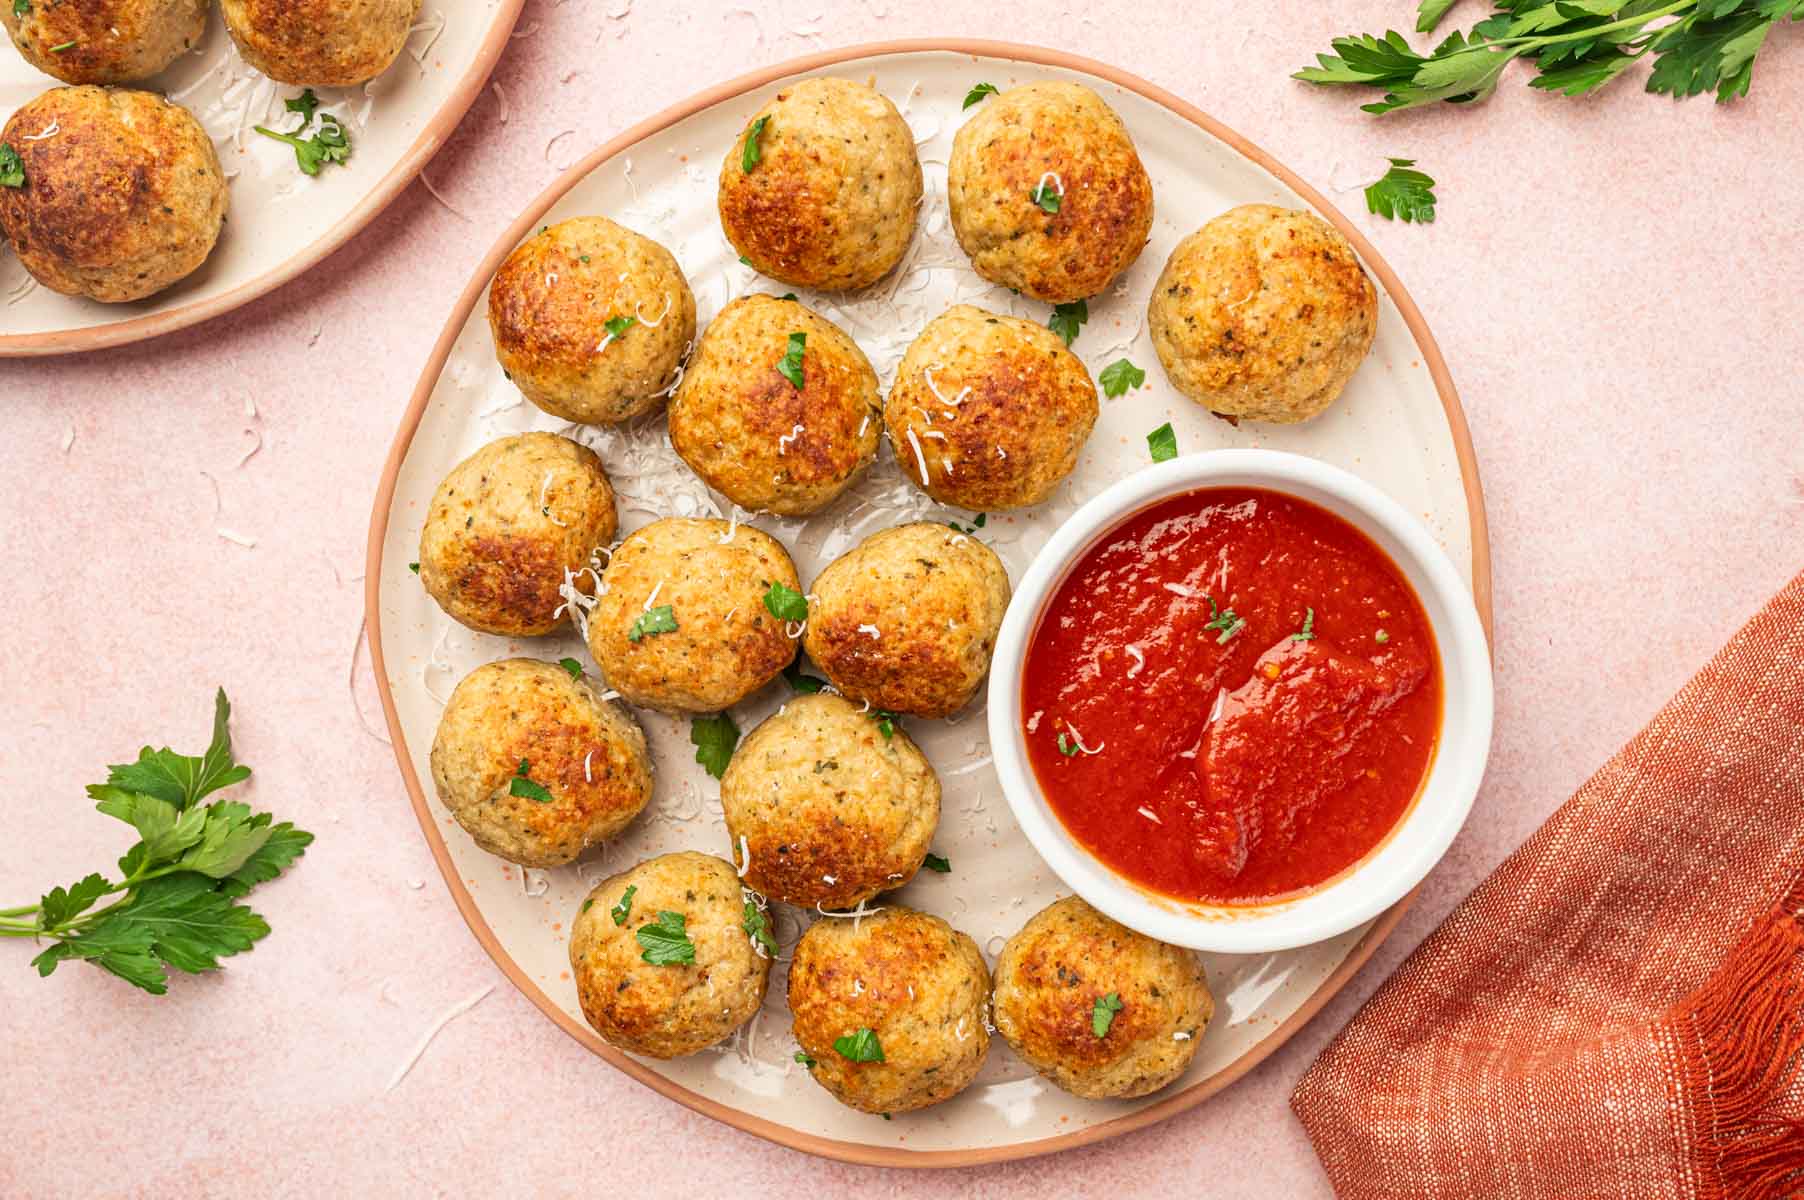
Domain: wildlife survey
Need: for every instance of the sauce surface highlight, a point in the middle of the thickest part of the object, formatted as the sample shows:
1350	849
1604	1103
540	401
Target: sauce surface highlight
1233	697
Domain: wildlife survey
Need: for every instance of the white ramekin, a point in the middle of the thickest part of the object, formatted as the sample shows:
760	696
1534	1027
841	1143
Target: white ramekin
1384	876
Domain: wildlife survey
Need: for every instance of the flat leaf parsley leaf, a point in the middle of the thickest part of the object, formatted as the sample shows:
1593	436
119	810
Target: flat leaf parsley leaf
619	325
572	666
790	365
661	619
799	682
1067	319
757	927
176	905
1402	192
861	1045
522	785
934	862
1047	197
806	1059
714	739
974	96
330	144
624	909
1162	443
1119	376
12	167
753	154
785	603
666	940
1103	1014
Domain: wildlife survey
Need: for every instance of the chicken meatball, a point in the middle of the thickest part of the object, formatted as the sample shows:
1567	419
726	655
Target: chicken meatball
778	411
890	1009
907	619
535	766
989	412
1102	1011
1048	194
1263	313
664	965
104	41
123	195
509	525
832	804
591	320
680	623
320	43
821	189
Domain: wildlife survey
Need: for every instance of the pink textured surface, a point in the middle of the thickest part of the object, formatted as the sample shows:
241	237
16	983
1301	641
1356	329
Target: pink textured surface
1611	282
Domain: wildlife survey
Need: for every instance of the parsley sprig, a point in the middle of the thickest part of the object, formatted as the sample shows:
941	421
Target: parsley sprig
1577	46
1067	319
177	898
1402	192
331	144
714	739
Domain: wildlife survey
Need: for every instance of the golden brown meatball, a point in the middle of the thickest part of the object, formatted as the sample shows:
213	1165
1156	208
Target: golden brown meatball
103	41
988	412
320	43
1263	313
667	1008
829	807
591	320
123	194
1072	971
1048	194
891	1008
680	624
907	619
827	196
751	433
507	525
535	766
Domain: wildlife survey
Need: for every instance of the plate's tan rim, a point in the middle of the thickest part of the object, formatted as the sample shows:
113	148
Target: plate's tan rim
858	1152
137	329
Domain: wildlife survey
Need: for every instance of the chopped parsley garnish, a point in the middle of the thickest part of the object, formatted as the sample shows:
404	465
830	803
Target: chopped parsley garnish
790	365
757	927
785	603
1381	637
587	905
861	1045
934	862
886	722
12	167
974	96
414	567
1307	633
753	154
523	785
571	665
1224	620
801	684
1067	319
805	1058
1067	746
1119	376
330	144
745	261
21	8
1162	443
789	296
666	940
1403	193
63	47
1103	1014
619	325
661	619
976	524
624	909
714	739
1047	197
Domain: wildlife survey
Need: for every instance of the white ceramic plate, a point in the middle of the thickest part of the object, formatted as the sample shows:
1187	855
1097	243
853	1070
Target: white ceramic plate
280	222
1398	426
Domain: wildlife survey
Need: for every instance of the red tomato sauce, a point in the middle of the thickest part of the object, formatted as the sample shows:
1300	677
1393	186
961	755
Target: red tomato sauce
1187	737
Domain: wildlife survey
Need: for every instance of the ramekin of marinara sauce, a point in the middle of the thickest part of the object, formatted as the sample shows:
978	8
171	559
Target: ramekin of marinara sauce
1233	697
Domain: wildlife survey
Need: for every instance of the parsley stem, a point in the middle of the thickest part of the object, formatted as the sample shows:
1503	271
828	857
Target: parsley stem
1548	39
22	911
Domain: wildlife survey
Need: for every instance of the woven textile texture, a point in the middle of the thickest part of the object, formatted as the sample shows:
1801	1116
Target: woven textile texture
1618	1010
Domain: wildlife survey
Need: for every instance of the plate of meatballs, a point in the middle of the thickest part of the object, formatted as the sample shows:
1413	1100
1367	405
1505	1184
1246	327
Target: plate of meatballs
690	558
165	161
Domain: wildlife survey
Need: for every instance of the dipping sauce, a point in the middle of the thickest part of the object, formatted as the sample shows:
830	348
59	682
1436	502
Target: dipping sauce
1233	698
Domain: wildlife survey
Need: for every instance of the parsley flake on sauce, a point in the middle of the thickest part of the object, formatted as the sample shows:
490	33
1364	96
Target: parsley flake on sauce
1307	633
1067	746
666	940
1225	620
861	1045
661	619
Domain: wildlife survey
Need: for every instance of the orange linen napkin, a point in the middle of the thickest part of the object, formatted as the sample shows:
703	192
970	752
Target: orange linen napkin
1617	1011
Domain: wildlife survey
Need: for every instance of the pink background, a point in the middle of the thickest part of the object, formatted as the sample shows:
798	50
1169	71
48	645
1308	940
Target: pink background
1614	283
